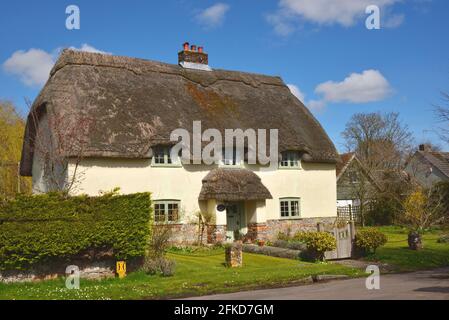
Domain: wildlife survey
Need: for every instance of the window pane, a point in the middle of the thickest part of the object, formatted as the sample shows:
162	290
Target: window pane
159	212
290	159
173	212
162	155
294	206
167	153
284	208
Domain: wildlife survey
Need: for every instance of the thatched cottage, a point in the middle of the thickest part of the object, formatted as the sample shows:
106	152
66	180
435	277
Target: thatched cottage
135	105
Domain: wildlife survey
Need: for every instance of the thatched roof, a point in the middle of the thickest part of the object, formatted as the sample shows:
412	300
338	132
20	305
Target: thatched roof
225	184
137	103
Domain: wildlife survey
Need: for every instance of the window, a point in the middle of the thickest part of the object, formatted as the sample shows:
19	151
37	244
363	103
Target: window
289	159
231	157
166	211
353	177
290	208
162	157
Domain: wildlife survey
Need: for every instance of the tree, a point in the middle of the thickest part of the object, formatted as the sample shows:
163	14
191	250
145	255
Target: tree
442	113
60	144
423	209
382	144
380	141
12	128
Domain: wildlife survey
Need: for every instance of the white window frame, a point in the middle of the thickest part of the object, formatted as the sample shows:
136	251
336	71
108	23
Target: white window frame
290	160
166	156
166	204
290	205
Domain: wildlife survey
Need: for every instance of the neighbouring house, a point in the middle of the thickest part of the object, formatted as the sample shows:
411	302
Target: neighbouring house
355	186
427	166
135	105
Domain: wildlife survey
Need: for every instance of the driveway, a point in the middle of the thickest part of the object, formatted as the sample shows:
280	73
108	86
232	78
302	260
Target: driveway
433	284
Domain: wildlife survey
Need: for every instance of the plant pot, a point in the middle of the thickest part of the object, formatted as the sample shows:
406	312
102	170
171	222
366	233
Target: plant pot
261	243
414	241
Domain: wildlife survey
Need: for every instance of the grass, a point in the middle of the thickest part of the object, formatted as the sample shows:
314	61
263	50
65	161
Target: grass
196	274
201	272
397	254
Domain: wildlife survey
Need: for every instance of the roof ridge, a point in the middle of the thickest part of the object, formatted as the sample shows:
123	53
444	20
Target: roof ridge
75	57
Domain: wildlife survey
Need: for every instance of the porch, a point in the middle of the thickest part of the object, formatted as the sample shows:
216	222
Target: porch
236	198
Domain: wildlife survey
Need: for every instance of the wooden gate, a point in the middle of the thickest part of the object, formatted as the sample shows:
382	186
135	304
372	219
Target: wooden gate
344	236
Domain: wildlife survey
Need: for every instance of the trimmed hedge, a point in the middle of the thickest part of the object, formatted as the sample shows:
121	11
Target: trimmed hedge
42	228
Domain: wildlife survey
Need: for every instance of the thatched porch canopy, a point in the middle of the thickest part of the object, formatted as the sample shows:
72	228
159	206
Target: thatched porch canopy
233	185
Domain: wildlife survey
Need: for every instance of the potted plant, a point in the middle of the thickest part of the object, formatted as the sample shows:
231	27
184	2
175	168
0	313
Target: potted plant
260	242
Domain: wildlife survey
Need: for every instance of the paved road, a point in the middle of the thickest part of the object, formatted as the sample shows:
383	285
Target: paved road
410	286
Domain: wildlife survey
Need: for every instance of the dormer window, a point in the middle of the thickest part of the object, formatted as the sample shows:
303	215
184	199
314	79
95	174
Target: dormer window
162	157
289	159
231	157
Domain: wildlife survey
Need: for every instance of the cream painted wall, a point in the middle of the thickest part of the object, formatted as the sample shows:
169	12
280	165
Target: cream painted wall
314	184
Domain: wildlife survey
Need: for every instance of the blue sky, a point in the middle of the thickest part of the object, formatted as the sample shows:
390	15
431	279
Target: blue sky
322	49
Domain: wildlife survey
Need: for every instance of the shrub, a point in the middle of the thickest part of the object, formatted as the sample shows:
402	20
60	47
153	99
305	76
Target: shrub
280	244
159	241
317	244
150	266
383	211
44	228
296	245
157	265
368	240
283	236
168	267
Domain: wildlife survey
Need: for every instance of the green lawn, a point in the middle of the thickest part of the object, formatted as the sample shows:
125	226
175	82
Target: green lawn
203	272
195	275
397	254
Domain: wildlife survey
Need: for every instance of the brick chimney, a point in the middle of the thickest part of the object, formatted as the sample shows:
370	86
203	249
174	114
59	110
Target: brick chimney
193	58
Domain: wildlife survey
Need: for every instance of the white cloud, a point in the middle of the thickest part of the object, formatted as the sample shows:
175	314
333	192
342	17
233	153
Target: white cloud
314	105
33	66
88	48
296	92
327	12
213	16
368	86
394	21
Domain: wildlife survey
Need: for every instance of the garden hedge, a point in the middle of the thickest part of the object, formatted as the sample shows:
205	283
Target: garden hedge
37	229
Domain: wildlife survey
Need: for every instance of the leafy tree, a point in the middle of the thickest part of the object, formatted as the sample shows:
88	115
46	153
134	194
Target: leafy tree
423	209
12	128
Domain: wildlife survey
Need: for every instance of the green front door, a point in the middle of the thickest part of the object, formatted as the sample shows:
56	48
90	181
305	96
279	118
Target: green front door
234	220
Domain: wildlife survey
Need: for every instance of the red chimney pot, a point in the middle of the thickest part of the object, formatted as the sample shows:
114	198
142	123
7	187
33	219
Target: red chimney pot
193	47
186	46
200	49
